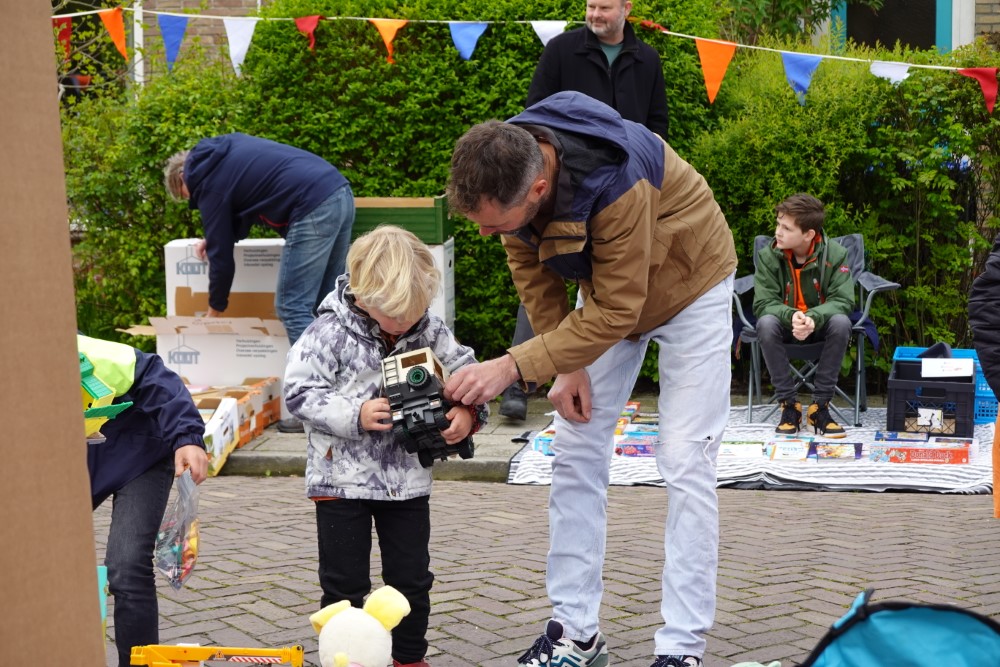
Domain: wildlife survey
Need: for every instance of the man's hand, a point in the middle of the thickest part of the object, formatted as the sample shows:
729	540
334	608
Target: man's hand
570	395
478	383
212	312
193	458
376	415
201	250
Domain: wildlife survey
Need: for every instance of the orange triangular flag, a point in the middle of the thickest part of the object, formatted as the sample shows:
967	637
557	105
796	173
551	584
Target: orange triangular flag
715	57
307	26
987	78
387	28
112	19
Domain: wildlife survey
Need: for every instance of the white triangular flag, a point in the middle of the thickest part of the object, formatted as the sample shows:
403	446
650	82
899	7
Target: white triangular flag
546	30
894	72
239	32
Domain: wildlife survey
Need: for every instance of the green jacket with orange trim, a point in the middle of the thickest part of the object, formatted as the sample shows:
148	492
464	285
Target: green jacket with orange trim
826	284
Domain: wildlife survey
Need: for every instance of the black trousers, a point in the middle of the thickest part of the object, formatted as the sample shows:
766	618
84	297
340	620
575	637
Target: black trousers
344	529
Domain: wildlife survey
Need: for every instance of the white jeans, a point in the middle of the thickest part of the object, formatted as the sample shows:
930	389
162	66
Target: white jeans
693	404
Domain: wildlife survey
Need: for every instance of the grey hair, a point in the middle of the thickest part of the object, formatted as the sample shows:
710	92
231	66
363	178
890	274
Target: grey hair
495	160
173	175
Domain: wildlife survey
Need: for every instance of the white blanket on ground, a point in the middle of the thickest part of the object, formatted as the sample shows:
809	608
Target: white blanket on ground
531	467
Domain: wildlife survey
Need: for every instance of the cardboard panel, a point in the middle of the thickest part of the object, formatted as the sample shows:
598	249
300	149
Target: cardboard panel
50	603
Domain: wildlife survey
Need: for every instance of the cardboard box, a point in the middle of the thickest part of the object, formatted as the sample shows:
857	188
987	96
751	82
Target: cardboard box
219	351
246	411
50	580
221	429
269	390
252	293
443	304
258	403
257	263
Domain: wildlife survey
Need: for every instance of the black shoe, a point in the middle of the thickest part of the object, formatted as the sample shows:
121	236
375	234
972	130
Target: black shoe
514	403
821	421
291	425
677	661
791	418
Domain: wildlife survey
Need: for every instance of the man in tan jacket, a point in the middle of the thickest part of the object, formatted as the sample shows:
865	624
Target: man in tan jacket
580	194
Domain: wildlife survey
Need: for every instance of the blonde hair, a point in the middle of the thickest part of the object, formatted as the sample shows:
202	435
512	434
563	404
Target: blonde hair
173	175
392	270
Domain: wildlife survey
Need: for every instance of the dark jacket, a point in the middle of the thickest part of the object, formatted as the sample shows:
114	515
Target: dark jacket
635	226
827	286
236	180
633	85
162	419
984	318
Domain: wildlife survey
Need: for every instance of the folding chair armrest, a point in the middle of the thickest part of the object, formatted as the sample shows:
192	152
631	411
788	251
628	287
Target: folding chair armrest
743	284
873	284
739	311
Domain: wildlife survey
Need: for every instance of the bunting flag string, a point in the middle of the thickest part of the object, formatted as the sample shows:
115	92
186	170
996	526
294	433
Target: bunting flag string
172	28
387	28
64	32
115	25
715	58
307	26
715	55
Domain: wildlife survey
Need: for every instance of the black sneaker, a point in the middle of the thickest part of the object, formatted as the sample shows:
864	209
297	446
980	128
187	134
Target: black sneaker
555	650
291	425
821	421
514	403
676	661
791	418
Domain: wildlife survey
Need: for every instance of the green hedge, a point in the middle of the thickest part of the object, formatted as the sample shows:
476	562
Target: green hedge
389	127
897	163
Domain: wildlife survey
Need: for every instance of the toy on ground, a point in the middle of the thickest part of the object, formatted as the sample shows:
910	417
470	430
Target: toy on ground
352	637
158	655
414	384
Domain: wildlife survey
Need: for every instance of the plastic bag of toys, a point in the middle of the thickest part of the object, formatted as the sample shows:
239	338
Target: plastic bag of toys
177	540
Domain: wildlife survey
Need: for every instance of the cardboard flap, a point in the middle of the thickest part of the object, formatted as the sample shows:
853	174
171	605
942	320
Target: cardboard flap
233	326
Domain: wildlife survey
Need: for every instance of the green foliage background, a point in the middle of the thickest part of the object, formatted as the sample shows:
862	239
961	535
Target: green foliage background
913	167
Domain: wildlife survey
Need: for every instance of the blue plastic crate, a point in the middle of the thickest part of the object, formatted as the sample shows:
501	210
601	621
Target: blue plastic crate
986	401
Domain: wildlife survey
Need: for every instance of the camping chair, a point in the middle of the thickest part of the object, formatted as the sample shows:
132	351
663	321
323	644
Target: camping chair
803	357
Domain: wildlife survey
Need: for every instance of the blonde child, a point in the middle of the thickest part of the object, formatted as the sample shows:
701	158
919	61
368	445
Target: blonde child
356	472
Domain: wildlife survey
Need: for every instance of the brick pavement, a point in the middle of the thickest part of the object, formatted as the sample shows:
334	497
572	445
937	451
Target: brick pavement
791	563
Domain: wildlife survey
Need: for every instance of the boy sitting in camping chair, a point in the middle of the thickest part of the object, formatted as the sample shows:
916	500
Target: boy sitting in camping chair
803	294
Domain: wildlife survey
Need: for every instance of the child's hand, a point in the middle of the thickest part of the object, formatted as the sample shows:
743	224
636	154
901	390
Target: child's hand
375	415
461	424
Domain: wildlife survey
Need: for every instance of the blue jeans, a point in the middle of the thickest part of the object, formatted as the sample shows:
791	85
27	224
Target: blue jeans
314	257
136	512
695	377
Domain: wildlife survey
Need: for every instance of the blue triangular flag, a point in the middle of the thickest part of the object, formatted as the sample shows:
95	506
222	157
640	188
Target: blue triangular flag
465	36
172	28
799	70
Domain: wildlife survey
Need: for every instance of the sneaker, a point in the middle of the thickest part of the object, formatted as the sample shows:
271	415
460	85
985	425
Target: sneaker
291	425
676	661
552	650
397	663
514	403
791	418
821	421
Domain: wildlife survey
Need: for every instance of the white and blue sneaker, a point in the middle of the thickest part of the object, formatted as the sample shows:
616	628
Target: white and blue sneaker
554	650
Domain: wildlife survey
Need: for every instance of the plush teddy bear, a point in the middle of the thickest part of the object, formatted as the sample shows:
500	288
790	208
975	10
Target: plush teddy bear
352	637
